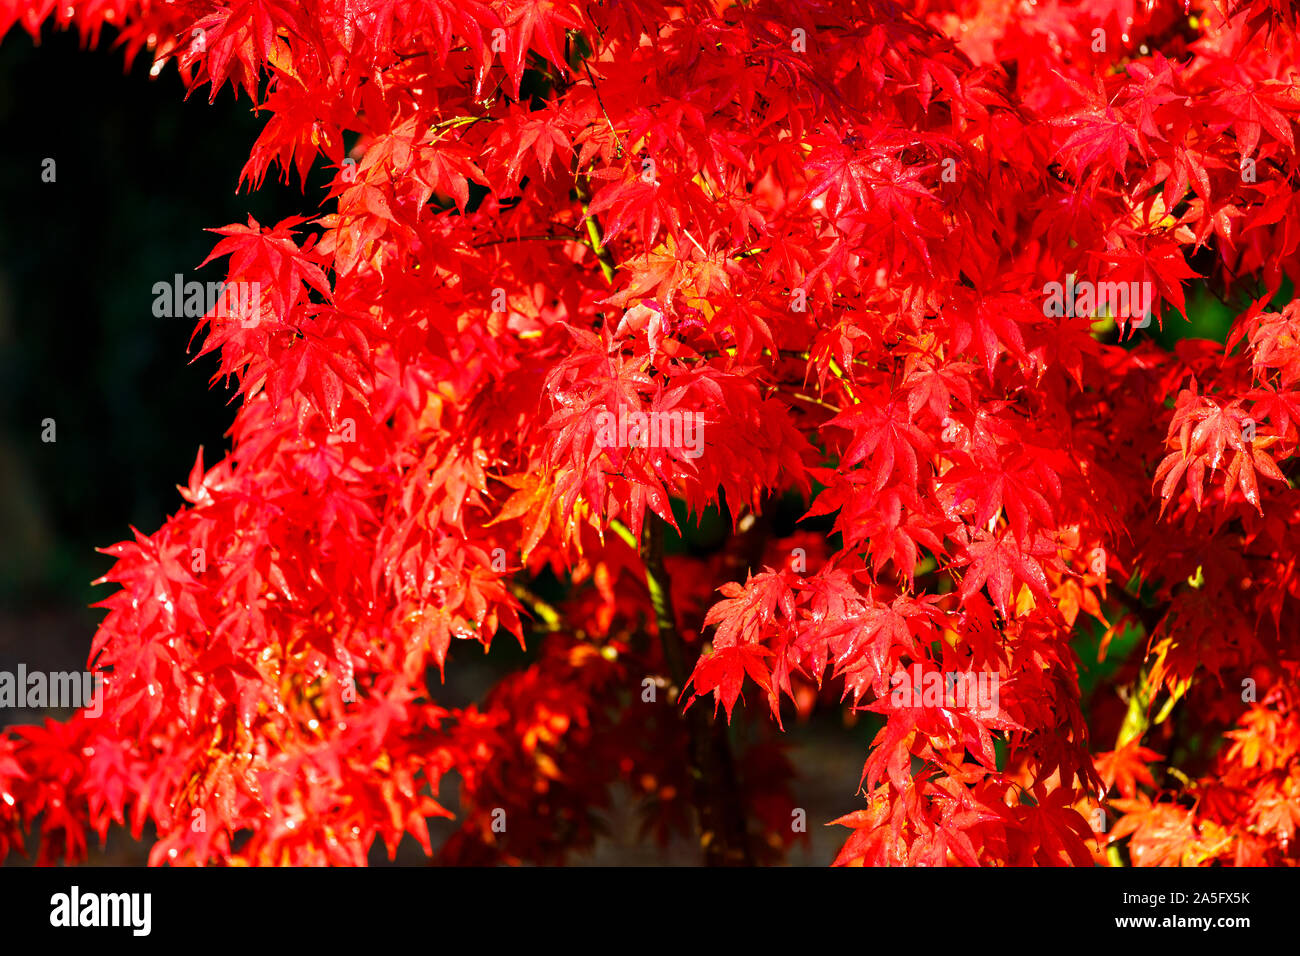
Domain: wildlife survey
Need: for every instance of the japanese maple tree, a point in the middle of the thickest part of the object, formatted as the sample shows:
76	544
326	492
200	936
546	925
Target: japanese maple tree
588	270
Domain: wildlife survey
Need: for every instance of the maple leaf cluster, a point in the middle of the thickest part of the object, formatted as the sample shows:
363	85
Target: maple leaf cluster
817	237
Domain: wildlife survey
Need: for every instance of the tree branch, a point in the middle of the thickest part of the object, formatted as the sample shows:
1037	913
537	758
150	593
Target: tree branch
724	835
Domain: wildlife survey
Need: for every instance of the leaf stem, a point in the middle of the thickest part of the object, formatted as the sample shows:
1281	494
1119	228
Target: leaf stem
595	235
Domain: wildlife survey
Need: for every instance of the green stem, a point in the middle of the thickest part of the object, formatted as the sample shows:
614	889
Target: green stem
595	235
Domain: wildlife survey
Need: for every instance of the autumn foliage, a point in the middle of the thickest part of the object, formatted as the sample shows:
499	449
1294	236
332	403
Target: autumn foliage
821	232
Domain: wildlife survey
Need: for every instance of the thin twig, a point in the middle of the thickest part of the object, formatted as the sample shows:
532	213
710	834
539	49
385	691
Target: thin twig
537	238
617	139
